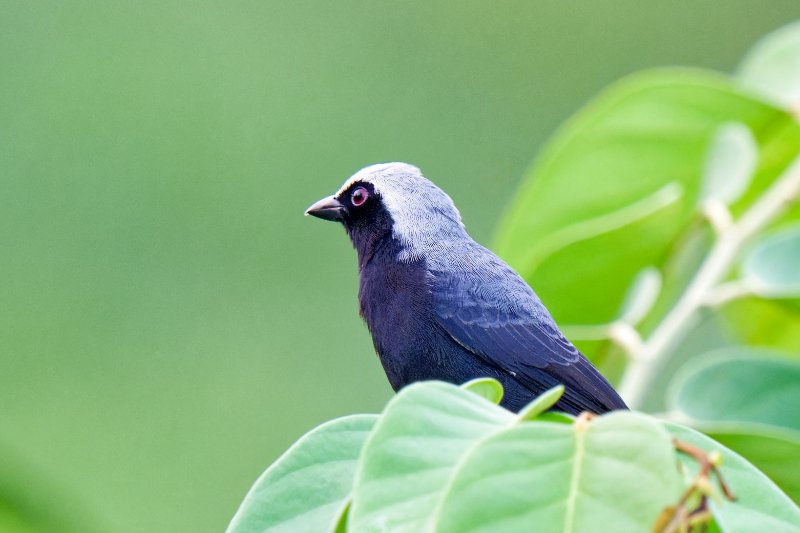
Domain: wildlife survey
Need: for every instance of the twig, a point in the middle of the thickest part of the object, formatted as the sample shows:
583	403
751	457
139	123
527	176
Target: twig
685	515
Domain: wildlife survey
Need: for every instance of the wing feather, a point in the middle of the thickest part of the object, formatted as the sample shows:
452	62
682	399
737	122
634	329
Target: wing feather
490	311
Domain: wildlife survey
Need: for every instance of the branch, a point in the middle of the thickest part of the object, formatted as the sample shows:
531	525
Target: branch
642	370
727	292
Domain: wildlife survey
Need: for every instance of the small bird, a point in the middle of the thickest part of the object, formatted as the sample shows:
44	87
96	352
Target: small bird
441	306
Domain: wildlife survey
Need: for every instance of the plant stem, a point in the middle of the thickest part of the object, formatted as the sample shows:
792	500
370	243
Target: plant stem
642	370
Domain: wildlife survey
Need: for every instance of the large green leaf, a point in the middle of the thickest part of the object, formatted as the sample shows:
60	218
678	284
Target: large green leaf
760	505
740	384
412	452
761	322
619	183
615	473
308	487
775	451
443	458
749	401
772	68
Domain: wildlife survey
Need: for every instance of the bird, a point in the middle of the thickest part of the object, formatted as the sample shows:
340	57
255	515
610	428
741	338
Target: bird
439	306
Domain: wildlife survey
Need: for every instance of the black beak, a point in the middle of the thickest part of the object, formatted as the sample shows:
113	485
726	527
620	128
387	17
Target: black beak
328	209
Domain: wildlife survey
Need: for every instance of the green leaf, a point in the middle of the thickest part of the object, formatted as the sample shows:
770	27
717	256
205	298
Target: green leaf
772	68
740	385
748	400
488	388
615	473
443	458
760	504
774	451
768	323
623	176
730	164
771	267
307	488
410	456
341	522
541	404
556	417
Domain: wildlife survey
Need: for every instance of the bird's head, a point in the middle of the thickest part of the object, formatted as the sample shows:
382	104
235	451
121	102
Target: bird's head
392	201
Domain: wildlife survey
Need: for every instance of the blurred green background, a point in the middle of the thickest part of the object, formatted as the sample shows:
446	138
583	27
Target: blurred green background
169	321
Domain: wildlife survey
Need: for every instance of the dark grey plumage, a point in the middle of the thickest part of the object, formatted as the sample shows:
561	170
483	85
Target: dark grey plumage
441	306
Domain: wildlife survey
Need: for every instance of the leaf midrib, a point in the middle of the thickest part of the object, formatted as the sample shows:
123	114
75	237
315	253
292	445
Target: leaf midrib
572	495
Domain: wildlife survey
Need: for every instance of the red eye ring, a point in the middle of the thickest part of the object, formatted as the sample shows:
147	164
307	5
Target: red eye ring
359	196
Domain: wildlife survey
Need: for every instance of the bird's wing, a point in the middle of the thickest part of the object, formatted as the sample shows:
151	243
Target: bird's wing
490	311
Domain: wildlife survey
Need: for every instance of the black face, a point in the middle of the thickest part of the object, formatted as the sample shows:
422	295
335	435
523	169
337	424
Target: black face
362	212
365	218
360	203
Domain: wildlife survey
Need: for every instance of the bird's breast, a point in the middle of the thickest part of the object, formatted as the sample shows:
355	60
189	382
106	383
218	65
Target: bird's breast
395	301
394	298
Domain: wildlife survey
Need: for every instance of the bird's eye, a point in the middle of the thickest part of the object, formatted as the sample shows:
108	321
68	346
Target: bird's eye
359	196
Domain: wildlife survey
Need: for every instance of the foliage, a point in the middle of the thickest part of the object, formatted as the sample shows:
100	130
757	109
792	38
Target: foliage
691	244
660	227
307	488
446	458
748	400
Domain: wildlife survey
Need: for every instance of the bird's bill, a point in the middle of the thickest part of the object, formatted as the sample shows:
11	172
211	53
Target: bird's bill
327	209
